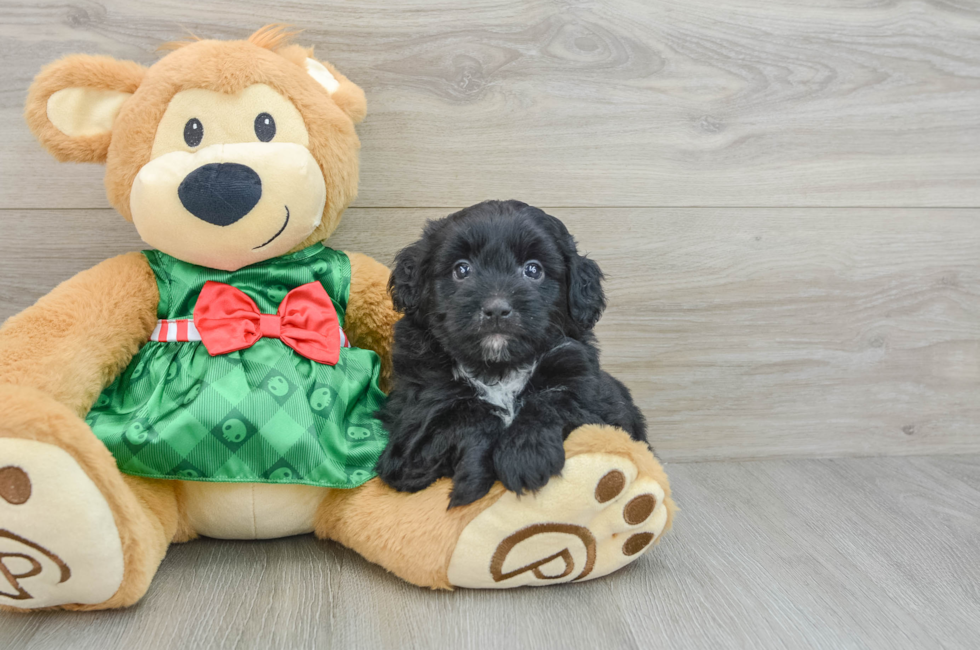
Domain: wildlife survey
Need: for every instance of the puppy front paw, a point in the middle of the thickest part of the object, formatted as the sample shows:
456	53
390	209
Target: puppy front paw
523	467
404	477
409	483
467	491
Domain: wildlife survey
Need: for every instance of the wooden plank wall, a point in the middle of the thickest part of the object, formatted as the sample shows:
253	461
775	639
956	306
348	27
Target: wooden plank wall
784	195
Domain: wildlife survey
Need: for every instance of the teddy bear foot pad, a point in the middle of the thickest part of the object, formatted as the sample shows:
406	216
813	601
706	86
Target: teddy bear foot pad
597	517
58	538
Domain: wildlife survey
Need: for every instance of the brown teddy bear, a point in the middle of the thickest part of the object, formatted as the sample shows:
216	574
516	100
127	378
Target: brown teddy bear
225	383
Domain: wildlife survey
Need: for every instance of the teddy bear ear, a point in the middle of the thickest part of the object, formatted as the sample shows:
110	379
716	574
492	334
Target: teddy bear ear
73	103
345	93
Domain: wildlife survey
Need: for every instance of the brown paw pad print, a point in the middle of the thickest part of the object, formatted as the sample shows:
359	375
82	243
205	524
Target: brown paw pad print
637	543
635	512
15	486
584	535
28	551
610	486
639	509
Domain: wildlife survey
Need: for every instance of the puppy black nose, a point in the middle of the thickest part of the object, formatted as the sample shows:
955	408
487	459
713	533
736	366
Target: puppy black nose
496	307
220	193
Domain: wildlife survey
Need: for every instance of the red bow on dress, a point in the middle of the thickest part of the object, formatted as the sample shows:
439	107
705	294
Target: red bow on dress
229	320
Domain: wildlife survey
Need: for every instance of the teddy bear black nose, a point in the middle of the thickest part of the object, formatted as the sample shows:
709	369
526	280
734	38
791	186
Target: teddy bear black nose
220	193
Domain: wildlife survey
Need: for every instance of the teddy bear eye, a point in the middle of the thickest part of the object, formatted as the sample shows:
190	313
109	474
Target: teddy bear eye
265	127
193	132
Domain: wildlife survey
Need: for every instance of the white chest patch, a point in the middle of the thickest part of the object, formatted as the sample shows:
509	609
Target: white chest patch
503	393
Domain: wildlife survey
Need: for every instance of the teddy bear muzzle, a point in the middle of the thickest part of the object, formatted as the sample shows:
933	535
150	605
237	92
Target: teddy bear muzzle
226	206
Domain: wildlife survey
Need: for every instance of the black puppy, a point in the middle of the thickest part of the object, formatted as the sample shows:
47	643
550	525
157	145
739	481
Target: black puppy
495	360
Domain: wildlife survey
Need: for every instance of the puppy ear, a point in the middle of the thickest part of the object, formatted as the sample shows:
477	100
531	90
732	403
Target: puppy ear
72	104
405	284
586	299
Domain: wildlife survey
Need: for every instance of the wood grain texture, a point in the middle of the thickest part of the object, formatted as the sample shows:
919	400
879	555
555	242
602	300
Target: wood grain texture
626	102
742	332
852	553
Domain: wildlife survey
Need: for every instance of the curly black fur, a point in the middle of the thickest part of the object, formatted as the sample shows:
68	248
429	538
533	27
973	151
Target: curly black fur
483	328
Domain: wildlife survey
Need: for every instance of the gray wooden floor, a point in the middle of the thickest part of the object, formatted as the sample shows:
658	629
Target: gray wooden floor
849	553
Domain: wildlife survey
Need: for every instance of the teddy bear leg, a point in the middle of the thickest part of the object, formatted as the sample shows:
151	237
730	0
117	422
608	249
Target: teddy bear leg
611	503
74	532
411	535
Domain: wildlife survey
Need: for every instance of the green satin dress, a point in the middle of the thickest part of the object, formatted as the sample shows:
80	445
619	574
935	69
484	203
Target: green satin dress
264	414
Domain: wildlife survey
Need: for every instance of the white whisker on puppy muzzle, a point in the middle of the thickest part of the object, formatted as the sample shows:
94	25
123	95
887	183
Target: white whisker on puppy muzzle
494	348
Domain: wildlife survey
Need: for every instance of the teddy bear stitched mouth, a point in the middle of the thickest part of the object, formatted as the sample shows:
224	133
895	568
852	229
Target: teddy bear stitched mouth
284	224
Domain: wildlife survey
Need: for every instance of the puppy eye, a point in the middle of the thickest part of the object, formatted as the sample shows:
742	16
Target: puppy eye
193	132
534	270
265	127
461	270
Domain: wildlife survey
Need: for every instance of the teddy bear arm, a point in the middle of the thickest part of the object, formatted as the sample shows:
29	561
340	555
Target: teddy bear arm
79	337
370	317
611	503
